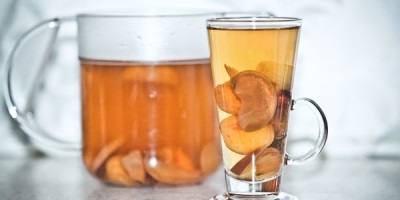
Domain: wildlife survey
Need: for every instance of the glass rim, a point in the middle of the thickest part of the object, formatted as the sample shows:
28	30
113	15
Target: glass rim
147	13
253	22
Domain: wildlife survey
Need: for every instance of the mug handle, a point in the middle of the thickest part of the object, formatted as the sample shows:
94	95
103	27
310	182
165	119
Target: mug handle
23	116
322	133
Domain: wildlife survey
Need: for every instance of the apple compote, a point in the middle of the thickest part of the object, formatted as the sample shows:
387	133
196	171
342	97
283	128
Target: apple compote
252	87
149	123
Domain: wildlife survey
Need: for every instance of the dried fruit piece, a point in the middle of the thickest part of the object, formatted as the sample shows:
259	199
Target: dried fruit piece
244	162
272	185
105	152
152	74
171	166
258	99
231	71
226	99
115	172
279	74
284	98
267	164
133	164
243	142
210	157
281	117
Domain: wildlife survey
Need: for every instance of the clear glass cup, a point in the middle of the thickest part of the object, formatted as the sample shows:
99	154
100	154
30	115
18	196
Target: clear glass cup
253	64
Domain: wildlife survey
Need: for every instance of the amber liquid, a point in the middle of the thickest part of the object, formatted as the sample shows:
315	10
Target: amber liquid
149	123
260	61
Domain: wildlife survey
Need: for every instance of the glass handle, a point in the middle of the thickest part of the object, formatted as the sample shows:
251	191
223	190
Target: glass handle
322	133
22	114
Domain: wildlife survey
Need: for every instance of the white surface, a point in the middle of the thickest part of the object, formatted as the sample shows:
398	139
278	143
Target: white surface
344	179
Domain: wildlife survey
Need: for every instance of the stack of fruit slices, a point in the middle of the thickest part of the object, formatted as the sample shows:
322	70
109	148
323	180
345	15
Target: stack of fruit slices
258	103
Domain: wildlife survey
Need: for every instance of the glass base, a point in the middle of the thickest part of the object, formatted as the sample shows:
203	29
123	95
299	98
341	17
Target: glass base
248	190
279	196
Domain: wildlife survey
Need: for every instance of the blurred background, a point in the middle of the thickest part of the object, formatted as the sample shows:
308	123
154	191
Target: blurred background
348	61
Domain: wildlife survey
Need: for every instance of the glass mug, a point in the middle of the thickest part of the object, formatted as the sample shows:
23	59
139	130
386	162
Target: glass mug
253	61
147	114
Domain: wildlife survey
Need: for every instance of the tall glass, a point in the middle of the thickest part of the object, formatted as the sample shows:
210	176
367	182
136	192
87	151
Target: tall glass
253	62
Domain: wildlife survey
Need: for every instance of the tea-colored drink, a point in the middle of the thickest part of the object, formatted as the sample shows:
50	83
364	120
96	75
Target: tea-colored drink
149	123
252	72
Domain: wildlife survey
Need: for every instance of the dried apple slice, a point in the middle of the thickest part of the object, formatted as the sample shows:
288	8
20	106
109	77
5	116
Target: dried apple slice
210	157
171	166
115	172
267	164
279	74
281	117
243	142
226	99
105	152
231	71
133	165
258	98
239	167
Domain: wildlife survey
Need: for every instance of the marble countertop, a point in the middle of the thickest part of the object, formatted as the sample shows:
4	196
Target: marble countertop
323	179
